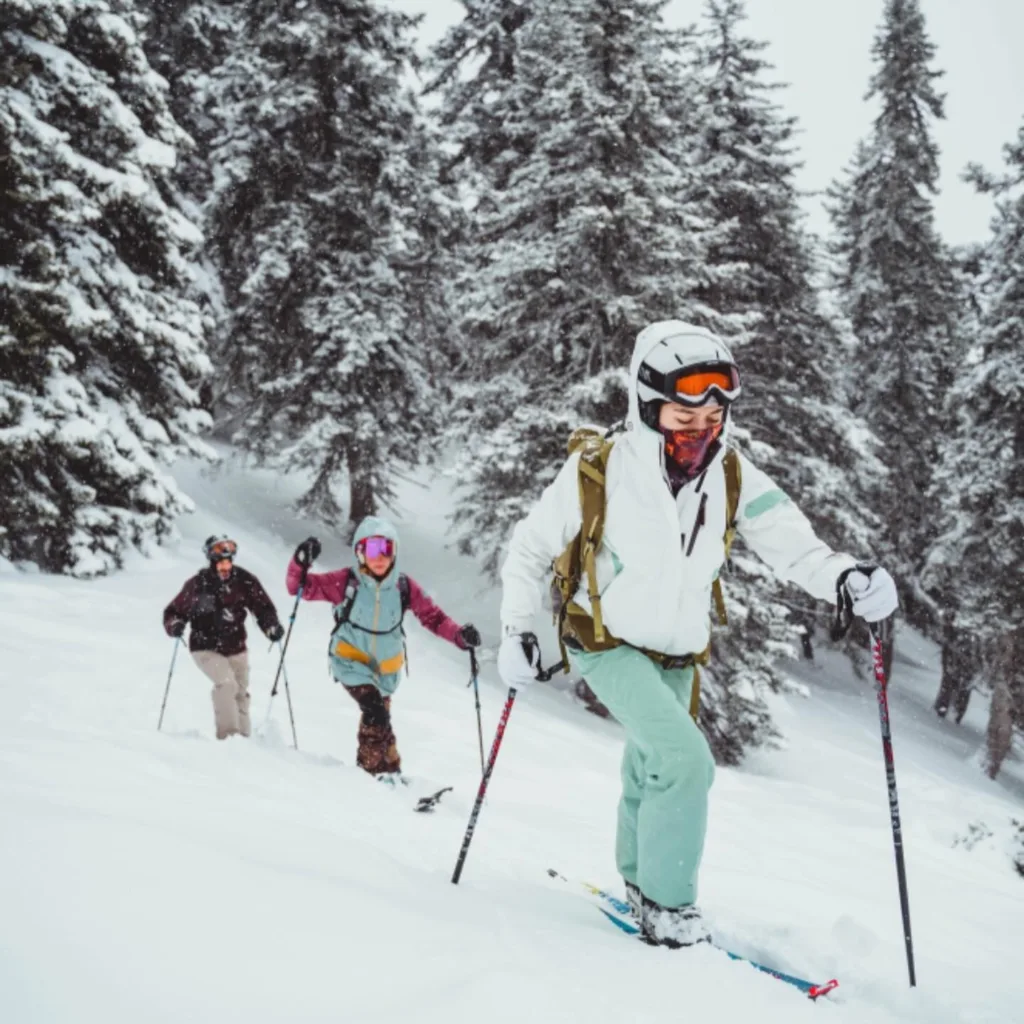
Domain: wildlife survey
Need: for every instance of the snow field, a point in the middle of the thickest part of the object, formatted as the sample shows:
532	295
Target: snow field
167	877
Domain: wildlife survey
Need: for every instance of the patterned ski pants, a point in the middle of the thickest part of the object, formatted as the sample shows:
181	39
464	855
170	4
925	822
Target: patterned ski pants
378	752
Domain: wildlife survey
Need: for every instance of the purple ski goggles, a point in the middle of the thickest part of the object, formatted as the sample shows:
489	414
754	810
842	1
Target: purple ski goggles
376	547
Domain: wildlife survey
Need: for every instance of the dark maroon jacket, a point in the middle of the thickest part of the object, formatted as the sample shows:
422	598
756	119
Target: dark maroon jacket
216	609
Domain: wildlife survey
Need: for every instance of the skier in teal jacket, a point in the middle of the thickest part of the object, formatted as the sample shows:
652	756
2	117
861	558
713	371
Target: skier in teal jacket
367	648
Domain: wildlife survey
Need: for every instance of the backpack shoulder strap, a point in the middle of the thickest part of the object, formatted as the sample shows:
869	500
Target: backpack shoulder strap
594	451
341	616
733	485
404	592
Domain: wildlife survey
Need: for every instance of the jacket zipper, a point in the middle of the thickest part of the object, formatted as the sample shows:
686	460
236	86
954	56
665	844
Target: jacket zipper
697	524
376	623
682	536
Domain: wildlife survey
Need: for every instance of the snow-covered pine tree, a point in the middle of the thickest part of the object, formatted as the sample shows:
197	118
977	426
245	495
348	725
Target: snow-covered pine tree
942	578
474	113
983	467
326	235
897	286
100	352
186	41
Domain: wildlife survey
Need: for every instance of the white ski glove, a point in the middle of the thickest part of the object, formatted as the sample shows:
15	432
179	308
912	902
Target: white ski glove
872	592
518	659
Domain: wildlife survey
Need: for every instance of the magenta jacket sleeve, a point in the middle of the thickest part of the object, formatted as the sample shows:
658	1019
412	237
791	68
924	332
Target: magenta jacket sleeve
320	586
431	616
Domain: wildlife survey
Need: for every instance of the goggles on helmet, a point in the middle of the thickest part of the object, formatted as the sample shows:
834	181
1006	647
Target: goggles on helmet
376	547
694	385
220	548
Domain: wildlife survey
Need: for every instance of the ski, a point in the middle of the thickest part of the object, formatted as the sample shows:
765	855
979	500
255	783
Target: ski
426	804
619	914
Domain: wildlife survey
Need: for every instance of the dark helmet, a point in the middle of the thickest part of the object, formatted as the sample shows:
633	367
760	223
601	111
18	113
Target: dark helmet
218	547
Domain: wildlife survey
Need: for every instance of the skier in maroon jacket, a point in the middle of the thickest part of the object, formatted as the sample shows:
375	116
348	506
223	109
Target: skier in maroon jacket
214	603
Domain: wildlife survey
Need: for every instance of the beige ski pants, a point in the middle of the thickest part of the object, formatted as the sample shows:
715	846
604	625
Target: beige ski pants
230	677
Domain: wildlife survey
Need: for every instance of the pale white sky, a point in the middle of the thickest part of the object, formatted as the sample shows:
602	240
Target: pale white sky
822	49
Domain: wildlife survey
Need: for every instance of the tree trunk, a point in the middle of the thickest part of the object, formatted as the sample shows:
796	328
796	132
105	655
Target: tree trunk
960	702
958	669
1000	728
362	496
1007	708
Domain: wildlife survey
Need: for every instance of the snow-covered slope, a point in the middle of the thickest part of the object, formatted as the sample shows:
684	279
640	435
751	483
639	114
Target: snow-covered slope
167	877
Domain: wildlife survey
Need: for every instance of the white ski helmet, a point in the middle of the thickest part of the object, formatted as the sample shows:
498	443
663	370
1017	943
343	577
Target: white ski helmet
685	364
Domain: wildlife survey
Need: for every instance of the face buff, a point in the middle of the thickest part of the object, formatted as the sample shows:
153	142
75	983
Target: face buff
686	450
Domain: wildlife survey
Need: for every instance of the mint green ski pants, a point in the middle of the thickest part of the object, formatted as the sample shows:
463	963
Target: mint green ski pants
667	770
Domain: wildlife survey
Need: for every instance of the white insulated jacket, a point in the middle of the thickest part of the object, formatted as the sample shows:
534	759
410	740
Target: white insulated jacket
660	554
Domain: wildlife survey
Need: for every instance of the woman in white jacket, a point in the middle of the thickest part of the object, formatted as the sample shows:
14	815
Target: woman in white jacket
662	549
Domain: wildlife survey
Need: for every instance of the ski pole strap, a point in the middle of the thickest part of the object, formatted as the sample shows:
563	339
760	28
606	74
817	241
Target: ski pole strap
844	608
544	675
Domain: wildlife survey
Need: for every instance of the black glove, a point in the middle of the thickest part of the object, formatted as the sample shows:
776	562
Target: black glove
275	633
307	552
469	635
176	628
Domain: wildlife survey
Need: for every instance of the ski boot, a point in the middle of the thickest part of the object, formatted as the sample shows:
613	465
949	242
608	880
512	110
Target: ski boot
674	927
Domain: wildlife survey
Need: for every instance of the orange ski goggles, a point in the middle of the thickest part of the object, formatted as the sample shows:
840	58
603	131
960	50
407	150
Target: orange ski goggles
695	385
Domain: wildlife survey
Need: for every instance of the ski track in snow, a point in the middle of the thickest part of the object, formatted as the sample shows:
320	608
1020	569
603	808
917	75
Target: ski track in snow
166	877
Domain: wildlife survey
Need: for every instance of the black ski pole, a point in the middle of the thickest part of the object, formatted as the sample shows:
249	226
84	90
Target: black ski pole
167	688
288	635
474	669
485	779
882	690
288	696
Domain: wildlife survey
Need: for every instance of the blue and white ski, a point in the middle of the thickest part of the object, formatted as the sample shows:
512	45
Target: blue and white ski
618	913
